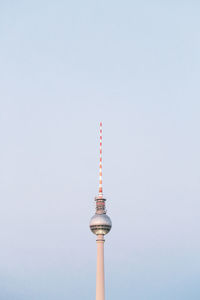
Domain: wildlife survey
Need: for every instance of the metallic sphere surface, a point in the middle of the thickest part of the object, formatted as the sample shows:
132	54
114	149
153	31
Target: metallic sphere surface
100	224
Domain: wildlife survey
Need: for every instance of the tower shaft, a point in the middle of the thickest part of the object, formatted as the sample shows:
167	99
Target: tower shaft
100	284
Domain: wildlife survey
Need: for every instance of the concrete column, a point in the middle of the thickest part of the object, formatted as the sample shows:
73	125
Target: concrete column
100	293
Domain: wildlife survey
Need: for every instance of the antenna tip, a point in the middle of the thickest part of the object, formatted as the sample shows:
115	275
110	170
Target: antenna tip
100	123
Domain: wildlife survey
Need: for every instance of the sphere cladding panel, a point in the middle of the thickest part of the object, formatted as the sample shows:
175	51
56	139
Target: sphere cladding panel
100	224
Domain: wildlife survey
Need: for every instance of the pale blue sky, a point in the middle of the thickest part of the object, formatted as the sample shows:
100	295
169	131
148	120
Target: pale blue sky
64	66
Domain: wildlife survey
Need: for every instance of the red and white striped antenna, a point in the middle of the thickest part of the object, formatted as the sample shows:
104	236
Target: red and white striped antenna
100	165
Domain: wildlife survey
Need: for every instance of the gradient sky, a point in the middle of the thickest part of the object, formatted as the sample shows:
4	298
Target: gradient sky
64	67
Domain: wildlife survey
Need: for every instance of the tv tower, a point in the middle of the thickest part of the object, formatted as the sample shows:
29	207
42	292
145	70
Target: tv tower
100	224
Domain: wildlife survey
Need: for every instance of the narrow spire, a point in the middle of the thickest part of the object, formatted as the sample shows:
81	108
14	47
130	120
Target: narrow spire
100	165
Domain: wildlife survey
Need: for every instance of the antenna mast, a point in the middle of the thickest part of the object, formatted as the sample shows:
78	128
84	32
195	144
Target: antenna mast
100	165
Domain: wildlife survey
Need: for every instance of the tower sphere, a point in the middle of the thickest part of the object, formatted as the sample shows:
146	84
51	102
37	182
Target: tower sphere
100	224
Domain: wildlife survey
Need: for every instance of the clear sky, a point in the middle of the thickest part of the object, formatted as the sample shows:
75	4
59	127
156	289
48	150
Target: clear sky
64	67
